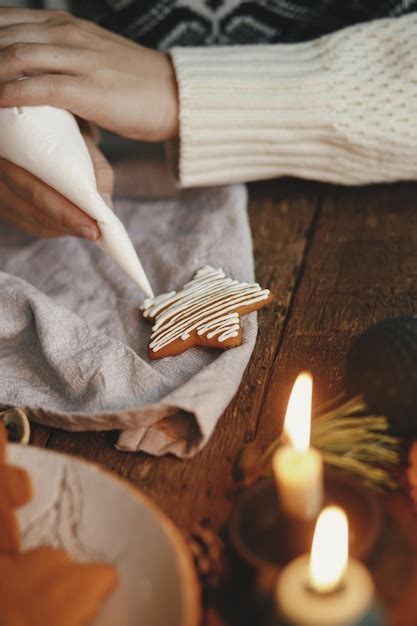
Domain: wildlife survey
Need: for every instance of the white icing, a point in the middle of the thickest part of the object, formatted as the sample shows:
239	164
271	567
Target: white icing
206	305
47	142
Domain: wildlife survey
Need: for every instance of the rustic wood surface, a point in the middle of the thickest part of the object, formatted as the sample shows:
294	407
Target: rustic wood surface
338	259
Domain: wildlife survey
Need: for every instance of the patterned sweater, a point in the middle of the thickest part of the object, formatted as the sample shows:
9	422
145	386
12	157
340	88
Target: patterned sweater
166	23
294	94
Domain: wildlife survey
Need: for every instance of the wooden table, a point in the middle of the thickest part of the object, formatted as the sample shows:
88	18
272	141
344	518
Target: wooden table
338	259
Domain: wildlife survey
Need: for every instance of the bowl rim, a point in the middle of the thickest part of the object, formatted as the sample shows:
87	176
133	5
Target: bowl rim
191	591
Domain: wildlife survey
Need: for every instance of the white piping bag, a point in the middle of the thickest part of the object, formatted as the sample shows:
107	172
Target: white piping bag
47	142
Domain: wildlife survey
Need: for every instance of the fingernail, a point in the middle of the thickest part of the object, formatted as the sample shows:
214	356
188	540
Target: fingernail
89	233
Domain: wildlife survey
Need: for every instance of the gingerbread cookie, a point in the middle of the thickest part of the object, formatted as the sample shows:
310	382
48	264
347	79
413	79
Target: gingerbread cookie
42	586
15	491
206	312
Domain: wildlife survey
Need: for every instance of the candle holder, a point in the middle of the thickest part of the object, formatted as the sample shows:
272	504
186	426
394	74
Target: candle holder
263	537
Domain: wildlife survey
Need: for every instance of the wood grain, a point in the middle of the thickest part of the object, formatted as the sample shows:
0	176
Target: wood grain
361	267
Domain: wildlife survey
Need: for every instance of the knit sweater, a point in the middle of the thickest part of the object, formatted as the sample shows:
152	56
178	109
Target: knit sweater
164	24
341	108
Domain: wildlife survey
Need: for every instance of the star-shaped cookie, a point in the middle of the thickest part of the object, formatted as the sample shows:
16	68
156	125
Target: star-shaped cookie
206	312
44	587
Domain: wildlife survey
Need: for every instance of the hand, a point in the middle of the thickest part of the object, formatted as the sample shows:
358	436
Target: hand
97	75
33	206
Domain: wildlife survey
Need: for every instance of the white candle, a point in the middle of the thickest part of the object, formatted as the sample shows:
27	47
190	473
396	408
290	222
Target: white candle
298	468
327	588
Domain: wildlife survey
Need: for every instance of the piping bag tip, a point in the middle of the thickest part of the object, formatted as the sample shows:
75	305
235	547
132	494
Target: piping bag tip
135	269
147	289
115	241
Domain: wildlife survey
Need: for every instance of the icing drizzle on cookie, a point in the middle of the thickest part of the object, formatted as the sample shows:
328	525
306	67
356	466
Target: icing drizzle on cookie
207	305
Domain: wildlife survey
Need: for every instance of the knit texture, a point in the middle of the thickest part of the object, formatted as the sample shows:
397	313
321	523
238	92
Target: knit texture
164	24
342	108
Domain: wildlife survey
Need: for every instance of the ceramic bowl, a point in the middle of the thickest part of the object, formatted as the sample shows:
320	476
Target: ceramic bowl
97	516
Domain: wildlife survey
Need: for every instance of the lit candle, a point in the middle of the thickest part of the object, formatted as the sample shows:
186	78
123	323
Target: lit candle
298	468
327	588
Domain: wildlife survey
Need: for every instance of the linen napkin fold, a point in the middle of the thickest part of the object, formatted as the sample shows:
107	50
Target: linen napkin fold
73	347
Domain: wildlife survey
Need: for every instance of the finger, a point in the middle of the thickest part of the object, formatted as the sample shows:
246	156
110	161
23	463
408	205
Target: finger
47	205
18	15
56	27
66	92
16	211
26	59
68	35
103	170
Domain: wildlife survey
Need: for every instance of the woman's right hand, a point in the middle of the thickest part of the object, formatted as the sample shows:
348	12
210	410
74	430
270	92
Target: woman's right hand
76	65
33	206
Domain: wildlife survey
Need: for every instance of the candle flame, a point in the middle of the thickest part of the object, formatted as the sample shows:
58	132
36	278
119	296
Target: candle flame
297	424
330	551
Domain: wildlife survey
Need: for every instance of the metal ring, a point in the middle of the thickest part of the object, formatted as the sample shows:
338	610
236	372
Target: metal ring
17	425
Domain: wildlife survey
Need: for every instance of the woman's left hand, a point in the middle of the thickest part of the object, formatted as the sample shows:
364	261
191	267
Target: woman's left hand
97	75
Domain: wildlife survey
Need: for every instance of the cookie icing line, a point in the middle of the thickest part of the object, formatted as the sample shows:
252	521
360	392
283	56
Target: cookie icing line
193	309
178	314
183	329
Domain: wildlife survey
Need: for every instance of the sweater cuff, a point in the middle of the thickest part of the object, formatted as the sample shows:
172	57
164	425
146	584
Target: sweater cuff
313	110
249	112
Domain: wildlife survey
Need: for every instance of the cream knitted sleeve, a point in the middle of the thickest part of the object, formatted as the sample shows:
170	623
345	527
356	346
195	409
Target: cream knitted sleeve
342	108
